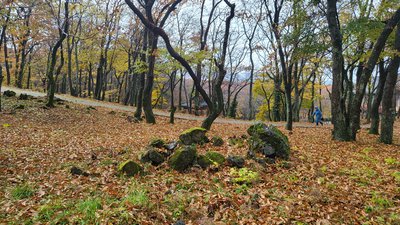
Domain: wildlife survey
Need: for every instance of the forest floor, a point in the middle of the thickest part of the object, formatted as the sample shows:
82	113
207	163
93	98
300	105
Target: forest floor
324	182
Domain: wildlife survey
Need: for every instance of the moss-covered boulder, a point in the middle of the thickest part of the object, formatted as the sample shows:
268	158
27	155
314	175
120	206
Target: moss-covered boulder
269	141
215	157
157	143
235	161
24	97
195	135
129	168
183	158
9	93
204	161
217	141
152	156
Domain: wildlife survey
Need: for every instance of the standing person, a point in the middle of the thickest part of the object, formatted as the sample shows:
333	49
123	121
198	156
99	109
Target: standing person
318	116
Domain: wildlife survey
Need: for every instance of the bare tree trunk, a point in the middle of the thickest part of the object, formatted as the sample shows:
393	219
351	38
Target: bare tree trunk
378	99
147	92
367	71
50	71
388	108
172	107
6	63
339	117
139	101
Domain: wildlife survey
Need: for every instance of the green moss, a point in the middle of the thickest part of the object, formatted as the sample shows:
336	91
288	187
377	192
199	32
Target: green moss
157	143
130	168
244	176
204	161
183	158
263	136
195	135
190	130
215	157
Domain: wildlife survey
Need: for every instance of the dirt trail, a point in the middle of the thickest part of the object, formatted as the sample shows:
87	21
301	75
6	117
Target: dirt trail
116	106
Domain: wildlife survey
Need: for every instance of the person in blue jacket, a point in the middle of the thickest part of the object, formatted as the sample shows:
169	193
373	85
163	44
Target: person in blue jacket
318	116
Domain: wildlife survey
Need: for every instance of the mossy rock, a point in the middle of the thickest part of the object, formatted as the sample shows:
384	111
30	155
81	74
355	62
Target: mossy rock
129	168
215	157
269	141
183	158
195	135
24	97
9	93
157	143
152	156
217	141
204	161
235	161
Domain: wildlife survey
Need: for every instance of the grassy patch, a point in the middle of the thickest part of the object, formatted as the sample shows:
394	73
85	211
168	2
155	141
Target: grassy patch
88	208
21	192
138	196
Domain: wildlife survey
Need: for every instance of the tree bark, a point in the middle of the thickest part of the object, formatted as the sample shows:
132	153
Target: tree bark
377	99
367	71
148	89
339	117
50	71
139	100
388	108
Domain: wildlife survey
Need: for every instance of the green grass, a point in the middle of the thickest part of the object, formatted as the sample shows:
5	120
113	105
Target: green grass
391	161
138	196
21	192
47	212
88	209
381	201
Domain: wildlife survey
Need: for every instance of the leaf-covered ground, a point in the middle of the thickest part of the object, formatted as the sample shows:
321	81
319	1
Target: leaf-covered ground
324	182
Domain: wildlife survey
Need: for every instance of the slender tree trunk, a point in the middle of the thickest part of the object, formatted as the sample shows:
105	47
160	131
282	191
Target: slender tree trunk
28	82
148	89
277	100
50	70
139	101
377	100
6	63
367	71
180	90
90	79
388	108
172	87
218	103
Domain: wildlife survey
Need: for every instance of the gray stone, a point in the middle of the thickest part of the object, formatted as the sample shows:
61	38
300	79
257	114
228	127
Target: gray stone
235	161
152	156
